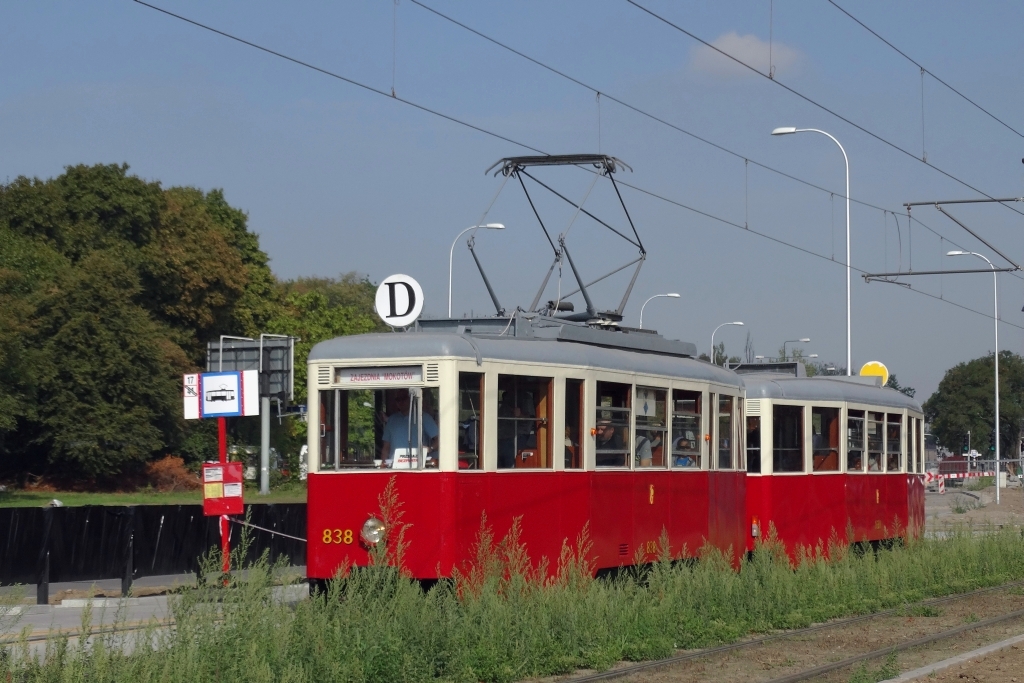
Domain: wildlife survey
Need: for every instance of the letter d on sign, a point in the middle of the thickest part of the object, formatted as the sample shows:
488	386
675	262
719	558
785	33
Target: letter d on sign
399	300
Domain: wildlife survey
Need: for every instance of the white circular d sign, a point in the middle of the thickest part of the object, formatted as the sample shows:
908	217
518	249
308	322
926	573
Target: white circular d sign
399	300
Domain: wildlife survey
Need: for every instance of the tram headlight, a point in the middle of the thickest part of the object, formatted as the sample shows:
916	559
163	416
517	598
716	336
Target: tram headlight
373	531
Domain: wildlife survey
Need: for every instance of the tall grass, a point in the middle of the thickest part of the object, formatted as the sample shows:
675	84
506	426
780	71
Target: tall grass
504	617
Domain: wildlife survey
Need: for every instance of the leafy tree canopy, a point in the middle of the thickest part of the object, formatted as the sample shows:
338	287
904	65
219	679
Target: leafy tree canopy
965	401
110	286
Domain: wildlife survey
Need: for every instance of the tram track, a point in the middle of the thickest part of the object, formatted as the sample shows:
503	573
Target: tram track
732	648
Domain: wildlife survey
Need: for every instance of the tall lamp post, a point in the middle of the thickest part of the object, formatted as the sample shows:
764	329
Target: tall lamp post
789	131
451	255
793	341
995	316
672	295
713	338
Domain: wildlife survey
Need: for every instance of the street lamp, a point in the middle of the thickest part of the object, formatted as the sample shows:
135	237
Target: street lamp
995	316
451	255
789	131
672	295
713	338
793	341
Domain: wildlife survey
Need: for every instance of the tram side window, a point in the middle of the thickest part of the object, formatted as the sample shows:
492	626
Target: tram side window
612	424
686	410
855	441
911	441
471	420
726	450
893	445
787	438
573	424
368	428
524	422
876	424
740	435
825	439
651	427
754	445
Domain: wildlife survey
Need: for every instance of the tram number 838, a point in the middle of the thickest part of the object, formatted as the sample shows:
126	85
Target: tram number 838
337	536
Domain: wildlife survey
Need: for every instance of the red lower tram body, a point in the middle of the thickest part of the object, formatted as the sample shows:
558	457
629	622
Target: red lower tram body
624	513
807	511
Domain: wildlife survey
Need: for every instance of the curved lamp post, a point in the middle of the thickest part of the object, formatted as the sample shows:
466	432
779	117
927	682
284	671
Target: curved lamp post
788	130
793	341
995	316
713	339
451	255
672	295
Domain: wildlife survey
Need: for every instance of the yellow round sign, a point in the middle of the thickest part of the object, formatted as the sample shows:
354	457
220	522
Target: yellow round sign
875	369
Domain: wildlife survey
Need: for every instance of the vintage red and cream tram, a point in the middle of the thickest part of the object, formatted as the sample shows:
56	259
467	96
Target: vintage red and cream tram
554	422
831	457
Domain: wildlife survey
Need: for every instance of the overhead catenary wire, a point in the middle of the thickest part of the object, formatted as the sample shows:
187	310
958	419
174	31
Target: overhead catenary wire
657	119
925	70
817	104
479	129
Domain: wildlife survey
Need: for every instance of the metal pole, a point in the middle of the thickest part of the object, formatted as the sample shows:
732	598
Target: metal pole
671	295
995	316
225	542
264	445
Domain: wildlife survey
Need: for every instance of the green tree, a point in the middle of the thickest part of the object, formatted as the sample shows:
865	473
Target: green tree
965	402
110	286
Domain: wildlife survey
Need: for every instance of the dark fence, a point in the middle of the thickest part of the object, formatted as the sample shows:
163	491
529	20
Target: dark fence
104	542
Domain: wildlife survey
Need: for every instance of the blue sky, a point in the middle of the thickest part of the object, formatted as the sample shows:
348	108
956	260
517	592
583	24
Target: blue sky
338	179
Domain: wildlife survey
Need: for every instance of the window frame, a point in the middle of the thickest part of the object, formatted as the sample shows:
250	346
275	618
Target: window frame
642	383
549	418
703	393
803	431
864	438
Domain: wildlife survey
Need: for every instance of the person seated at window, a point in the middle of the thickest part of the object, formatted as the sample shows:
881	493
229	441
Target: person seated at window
644	448
874	463
396	437
856	464
610	445
684	443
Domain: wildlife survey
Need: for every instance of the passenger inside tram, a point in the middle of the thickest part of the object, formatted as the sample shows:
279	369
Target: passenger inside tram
400	439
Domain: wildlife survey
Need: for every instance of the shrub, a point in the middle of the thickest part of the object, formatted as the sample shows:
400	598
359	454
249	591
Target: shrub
170	474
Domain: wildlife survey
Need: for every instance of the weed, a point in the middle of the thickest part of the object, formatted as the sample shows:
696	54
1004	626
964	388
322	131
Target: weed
962	504
889	669
979	483
971	618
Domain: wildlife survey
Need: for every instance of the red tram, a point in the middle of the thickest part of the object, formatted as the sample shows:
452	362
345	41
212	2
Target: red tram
563	425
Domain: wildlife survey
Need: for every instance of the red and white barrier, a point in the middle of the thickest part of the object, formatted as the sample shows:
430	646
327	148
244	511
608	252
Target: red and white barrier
931	476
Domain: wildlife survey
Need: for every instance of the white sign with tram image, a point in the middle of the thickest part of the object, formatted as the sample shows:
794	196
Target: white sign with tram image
221	394
399	300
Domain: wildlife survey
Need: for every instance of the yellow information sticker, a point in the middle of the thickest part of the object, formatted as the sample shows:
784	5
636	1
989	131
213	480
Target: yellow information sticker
213	490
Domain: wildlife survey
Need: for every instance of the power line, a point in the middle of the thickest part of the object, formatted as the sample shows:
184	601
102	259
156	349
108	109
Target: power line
337	76
820	106
925	70
471	126
658	119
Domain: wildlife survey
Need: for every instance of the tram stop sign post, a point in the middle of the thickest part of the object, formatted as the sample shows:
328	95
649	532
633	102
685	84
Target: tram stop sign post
221	395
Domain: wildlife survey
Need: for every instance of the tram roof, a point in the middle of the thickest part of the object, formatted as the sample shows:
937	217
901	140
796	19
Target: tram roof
826	388
580	349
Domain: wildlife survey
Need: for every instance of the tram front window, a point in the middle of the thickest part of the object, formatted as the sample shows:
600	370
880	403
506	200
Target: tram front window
370	428
876	424
686	429
893	446
471	420
524	422
825	439
651	427
611	435
855	441
787	438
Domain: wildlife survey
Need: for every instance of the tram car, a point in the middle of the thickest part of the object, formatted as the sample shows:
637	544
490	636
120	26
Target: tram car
830	458
557	423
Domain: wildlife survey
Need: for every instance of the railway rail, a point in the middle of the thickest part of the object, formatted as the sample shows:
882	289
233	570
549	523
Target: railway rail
820	670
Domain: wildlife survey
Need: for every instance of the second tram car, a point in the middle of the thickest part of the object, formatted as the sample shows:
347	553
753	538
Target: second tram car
831	457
